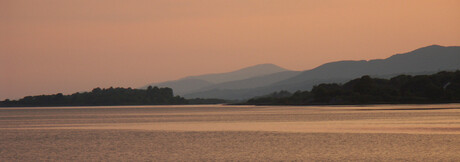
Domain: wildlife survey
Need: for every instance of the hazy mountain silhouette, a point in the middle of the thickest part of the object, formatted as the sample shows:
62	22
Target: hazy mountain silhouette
253	82
429	59
195	83
236	94
245	73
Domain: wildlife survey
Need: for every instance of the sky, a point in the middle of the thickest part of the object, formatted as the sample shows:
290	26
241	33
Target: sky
56	46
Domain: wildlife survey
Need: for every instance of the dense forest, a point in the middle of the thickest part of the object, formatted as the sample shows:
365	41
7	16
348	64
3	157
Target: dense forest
99	97
441	87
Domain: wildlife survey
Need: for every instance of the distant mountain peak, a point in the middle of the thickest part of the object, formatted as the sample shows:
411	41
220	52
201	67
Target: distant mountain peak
266	78
266	66
429	48
244	73
426	59
192	83
432	51
433	46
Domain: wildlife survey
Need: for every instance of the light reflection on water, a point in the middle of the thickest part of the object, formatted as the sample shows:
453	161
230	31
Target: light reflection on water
434	118
450	105
236	133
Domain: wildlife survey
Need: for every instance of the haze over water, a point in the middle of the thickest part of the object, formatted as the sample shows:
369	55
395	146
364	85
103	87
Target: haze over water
216	132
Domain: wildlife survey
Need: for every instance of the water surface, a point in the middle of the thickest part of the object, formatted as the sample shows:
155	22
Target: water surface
218	132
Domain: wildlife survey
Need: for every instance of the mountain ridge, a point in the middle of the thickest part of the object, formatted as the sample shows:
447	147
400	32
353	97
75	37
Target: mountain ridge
243	73
397	62
433	58
193	83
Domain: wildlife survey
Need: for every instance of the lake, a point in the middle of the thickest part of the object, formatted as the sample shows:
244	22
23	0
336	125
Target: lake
225	132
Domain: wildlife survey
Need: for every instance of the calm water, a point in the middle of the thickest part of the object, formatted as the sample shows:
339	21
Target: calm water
216	132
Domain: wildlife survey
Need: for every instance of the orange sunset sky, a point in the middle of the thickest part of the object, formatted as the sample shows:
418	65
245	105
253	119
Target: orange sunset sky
52	46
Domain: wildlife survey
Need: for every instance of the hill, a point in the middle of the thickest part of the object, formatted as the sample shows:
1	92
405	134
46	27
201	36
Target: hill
425	60
245	73
196	83
431	58
253	82
443	87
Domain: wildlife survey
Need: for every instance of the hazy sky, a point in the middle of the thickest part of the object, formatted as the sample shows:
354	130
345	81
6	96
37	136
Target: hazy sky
51	46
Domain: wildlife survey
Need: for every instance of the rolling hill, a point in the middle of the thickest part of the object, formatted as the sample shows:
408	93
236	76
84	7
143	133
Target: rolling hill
424	60
199	83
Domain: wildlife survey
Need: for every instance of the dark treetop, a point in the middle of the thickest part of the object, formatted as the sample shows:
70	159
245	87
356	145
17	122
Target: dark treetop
442	87
99	97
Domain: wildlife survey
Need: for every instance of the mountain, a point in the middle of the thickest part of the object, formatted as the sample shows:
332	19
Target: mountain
238	94
428	59
245	73
253	82
195	83
442	87
425	60
241	88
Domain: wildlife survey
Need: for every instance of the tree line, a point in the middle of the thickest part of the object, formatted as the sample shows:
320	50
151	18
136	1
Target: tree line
103	97
442	87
